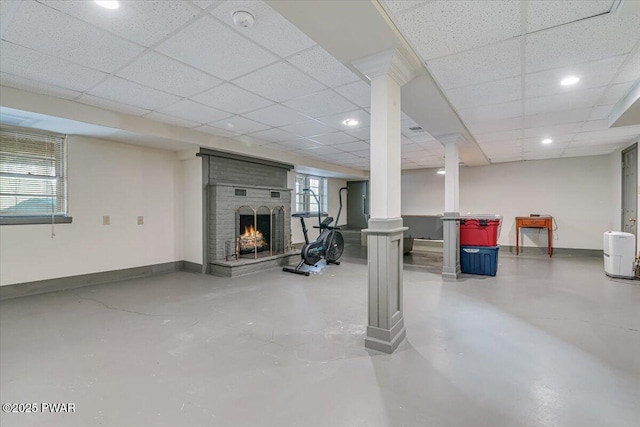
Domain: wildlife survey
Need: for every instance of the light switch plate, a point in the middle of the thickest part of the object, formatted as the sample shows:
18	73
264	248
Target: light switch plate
106	220
140	220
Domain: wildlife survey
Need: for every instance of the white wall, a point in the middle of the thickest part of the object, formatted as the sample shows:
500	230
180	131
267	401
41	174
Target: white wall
576	191
191	201
333	186
105	178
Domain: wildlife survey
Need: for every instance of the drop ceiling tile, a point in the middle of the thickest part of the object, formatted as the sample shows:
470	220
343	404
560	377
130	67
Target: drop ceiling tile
231	98
611	133
298	144
111	105
488	63
274	135
270	29
443	27
159	117
542	155
308	128
590	151
407	148
492	152
361	133
564	101
276	115
130	93
359	93
249	141
424	139
189	110
334	138
615	93
41	28
366	154
490	93
601	112
321	104
551	131
319	64
28	64
602	142
395	6
595	125
279	82
215	131
557	118
213	47
239	125
203	4
354	146
175	78
509	135
491	126
16	82
492	112
583	41
341	156
592	74
630	71
547	14
277	147
559	142
144	22
323	150
337	121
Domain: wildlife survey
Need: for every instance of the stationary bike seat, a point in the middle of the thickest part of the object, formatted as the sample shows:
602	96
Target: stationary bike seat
325	222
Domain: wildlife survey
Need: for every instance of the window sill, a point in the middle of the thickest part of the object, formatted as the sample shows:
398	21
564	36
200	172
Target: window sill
29	220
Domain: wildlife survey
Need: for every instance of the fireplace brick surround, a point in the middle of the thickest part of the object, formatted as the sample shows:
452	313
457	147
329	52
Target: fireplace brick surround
260	183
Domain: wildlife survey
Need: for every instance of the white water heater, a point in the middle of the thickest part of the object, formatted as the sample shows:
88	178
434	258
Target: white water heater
619	253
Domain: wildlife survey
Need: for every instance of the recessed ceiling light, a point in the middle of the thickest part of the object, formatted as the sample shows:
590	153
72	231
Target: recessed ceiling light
108	4
568	81
441	171
351	122
547	141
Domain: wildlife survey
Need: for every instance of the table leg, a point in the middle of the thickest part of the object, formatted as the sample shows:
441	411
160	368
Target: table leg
550	239
517	238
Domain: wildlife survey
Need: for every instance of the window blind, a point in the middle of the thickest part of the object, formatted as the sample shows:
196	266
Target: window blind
32	172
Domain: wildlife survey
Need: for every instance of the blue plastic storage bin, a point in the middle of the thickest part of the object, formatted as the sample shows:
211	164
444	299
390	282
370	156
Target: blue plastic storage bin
479	260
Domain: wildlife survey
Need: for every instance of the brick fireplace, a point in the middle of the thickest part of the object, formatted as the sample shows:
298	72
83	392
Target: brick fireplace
249	213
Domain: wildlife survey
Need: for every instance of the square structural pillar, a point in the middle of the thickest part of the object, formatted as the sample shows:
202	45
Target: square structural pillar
451	245
388	71
385	328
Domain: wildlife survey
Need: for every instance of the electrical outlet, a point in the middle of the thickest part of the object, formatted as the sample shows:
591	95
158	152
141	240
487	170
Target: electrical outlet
140	220
106	220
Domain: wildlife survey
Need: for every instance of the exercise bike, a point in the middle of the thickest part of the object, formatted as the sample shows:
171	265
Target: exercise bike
329	244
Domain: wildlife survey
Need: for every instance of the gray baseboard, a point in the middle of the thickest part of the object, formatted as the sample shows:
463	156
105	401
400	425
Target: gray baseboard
73	282
537	250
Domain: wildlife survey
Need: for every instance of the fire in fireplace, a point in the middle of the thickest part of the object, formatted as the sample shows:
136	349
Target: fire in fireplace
254	238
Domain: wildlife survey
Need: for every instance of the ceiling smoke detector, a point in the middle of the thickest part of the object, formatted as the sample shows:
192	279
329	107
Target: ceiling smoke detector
242	18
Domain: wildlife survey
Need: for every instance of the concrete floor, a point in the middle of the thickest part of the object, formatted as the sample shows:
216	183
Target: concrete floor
547	342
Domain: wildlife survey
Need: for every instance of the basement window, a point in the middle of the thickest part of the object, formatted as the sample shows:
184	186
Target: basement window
33	178
305	202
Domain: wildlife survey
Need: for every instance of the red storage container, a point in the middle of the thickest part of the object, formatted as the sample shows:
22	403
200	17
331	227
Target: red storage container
479	232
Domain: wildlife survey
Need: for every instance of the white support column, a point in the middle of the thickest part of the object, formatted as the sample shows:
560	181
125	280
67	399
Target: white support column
451	223
387	71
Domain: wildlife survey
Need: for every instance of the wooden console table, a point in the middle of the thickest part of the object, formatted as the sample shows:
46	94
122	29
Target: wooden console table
535	222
